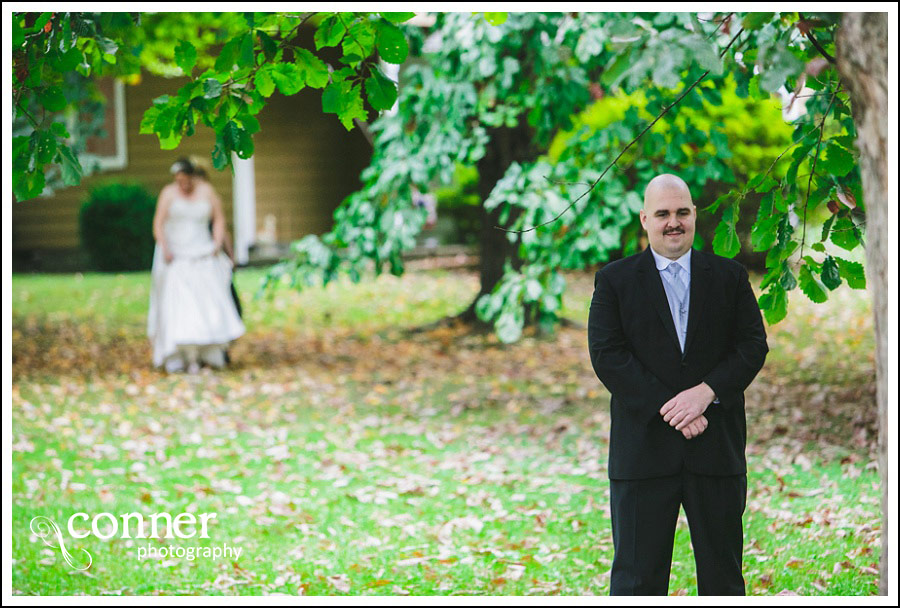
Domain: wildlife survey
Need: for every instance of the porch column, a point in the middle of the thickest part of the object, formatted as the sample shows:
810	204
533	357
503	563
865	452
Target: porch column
244	189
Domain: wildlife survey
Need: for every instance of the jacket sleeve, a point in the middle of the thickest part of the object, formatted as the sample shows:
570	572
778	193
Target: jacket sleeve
737	369
626	378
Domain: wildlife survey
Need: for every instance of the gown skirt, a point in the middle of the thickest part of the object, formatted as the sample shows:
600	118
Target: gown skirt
192	316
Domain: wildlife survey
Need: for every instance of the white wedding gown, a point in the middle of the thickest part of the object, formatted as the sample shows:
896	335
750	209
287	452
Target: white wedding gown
192	316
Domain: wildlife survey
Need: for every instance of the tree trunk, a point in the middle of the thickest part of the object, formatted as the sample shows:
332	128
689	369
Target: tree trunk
862	44
506	145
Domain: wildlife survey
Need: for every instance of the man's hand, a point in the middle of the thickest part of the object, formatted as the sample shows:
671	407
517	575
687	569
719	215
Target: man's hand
695	428
686	406
167	256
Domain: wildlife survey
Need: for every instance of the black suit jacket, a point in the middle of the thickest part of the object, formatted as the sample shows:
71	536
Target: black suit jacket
635	353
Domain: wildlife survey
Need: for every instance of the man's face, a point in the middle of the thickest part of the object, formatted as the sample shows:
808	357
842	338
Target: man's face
669	217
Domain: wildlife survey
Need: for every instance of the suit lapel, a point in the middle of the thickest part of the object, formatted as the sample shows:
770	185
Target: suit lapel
700	280
651	284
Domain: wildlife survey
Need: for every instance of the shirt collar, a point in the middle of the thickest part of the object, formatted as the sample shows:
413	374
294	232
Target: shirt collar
662	262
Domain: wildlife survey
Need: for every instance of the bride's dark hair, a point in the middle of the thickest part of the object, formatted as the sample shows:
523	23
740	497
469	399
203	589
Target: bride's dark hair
182	165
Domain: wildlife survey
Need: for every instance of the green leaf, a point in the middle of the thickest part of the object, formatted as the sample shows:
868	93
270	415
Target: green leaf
767	185
667	67
360	40
764	232
755	181
185	56
705	55
783	65
495	18
380	91
151	115
722	200
344	99
165	122
18	35
781	203
69	166
617	68
108	46
220	157
312	69
845	234
59	129
837	161
45	148
812	286
245	57
826	228
250	123
331	98
21	151
287	77
754	21
238	139
263	81
69	60
53	99
191	90
509	327
774	304
330	32
398	17
270	49
787	279
754	90
785	230
228	55
212	88
28	185
852	272
170	142
392	44
727	242
831	275
40	22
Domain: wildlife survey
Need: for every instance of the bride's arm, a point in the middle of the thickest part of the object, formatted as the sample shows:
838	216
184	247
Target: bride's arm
218	219
159	222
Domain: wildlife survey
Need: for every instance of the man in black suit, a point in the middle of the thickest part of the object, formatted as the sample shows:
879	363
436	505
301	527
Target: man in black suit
676	336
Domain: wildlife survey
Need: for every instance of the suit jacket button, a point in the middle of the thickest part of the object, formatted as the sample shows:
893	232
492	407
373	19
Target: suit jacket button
683	364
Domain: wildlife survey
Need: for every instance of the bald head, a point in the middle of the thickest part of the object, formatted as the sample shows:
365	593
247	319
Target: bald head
666	183
668	216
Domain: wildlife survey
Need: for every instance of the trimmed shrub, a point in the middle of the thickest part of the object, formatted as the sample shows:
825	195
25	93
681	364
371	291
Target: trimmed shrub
116	226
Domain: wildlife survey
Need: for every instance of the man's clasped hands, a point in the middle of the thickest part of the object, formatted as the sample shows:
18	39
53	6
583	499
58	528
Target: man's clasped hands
685	410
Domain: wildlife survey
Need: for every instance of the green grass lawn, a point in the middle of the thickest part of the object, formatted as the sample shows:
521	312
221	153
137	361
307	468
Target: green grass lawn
344	456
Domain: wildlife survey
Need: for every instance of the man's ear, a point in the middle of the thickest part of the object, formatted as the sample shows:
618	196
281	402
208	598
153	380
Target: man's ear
643	217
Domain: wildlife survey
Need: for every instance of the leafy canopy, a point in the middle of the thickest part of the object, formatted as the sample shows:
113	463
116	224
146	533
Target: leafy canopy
481	74
542	69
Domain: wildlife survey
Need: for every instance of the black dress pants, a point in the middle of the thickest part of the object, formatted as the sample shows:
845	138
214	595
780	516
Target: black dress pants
644	515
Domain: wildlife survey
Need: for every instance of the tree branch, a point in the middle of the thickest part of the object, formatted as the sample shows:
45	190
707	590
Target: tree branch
724	20
35	124
813	171
631	143
775	162
808	33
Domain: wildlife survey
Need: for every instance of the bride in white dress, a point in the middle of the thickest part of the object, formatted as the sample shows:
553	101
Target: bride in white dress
192	316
